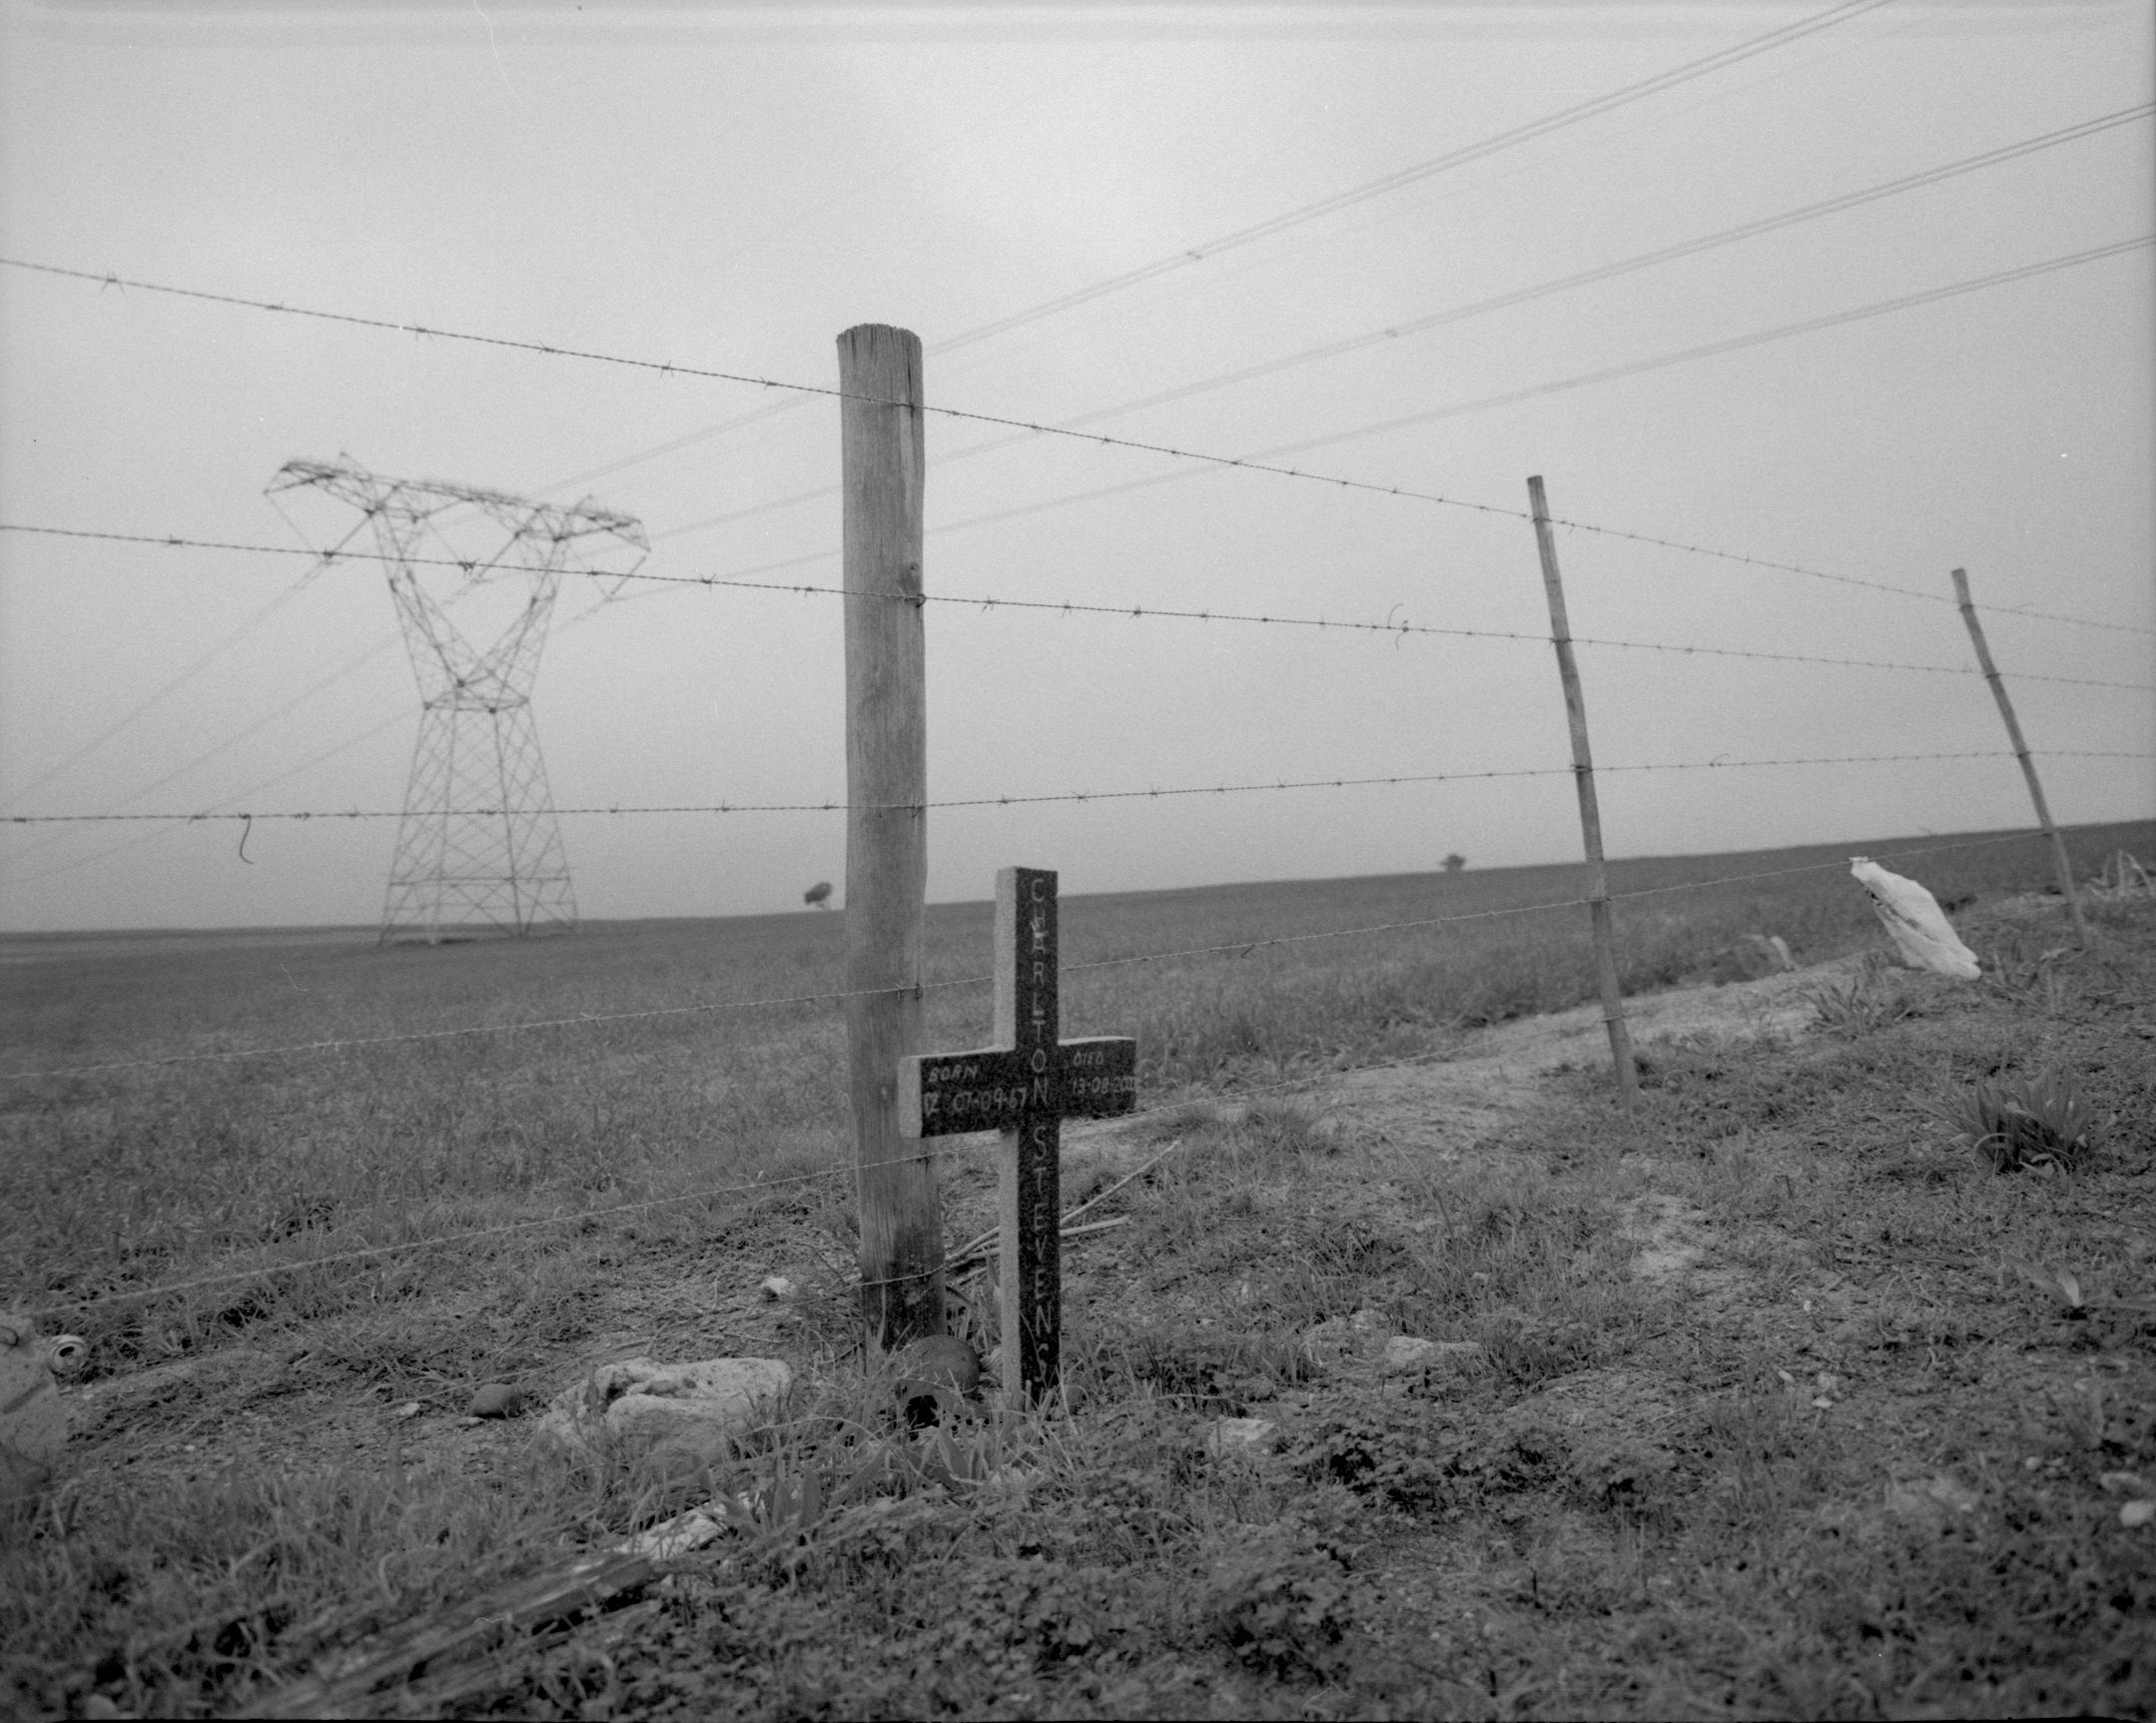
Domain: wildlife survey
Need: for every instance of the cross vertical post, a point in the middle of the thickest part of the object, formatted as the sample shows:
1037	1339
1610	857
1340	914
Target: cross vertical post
1023	1087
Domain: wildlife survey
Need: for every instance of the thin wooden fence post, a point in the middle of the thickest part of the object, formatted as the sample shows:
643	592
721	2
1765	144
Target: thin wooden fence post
2021	754
883	457
1583	778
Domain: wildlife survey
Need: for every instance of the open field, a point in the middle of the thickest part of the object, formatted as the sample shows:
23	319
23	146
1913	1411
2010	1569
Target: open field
1781	1408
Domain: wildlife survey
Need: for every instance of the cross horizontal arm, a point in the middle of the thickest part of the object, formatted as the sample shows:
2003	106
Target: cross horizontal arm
995	1088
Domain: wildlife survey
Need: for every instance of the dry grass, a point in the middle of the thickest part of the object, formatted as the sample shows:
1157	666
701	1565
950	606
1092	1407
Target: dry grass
1635	1506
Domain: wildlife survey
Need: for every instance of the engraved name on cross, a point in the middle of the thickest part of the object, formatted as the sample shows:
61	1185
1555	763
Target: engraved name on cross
1023	1086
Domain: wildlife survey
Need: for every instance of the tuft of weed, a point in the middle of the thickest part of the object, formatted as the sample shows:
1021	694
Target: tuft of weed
1862	1004
2042	1122
1422	1459
2035	983
1281	1605
1213	1370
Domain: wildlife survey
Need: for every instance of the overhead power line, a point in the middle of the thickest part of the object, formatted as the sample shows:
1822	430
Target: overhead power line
1602	273
1736	343
1267	459
1263	461
1451	159
1205	251
1418	325
254	789
227	744
186	675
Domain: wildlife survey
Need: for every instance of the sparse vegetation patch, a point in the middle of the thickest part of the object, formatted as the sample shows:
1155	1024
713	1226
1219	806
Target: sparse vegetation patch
1445	1390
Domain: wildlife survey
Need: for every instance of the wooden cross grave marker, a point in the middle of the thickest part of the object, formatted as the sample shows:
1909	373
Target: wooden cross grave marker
1025	1086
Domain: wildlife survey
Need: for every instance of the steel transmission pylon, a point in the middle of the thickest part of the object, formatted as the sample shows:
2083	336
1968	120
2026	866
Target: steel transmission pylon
478	849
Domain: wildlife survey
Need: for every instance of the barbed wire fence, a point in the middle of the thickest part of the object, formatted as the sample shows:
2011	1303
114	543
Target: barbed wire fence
749	1190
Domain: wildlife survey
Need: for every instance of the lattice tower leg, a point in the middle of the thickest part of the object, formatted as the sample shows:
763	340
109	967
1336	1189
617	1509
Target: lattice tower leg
478	846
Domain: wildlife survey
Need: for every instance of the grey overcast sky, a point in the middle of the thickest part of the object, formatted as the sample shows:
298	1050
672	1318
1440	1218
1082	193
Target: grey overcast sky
730	187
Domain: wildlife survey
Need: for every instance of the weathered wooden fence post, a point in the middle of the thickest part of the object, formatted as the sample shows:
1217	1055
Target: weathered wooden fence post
883	457
1583	777
2021	754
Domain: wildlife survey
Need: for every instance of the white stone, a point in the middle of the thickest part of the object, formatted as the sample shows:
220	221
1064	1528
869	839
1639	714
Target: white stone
1411	1353
692	1409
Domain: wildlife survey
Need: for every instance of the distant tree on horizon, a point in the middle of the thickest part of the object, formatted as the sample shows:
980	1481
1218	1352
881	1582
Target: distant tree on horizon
1454	863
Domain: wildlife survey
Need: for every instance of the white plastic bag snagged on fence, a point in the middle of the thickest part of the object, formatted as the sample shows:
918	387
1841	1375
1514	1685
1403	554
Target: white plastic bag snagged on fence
1915	922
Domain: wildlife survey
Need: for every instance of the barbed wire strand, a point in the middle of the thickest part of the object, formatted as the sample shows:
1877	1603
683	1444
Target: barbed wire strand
1140	612
1075	796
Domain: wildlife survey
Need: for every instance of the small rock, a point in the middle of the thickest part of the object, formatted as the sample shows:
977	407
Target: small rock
497	1400
1241	1435
774	1288
1411	1353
